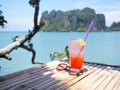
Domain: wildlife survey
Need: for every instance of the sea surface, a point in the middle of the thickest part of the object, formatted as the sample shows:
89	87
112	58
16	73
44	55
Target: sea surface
101	47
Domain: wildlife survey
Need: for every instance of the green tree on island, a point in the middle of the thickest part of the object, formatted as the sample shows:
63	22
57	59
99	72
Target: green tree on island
73	20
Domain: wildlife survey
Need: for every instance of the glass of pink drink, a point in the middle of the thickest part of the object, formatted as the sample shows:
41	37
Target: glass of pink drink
76	53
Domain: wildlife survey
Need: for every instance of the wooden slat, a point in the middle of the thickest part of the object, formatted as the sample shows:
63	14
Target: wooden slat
99	79
16	74
10	84
113	82
82	84
117	85
66	85
48	67
63	81
38	80
96	77
60	76
57	77
91	83
110	76
18	87
25	77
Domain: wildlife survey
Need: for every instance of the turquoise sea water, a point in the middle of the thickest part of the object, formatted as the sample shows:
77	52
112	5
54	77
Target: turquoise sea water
102	47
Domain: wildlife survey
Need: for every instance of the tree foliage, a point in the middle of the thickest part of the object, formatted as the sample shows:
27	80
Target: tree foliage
2	19
60	54
33	3
115	26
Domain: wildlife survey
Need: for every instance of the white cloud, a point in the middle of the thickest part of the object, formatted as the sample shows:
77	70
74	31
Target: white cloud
113	16
21	23
110	9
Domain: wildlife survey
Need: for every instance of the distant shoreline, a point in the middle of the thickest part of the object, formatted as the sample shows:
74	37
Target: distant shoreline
57	31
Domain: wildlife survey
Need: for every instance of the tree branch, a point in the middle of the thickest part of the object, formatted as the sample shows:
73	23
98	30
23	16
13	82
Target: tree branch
36	14
33	52
4	52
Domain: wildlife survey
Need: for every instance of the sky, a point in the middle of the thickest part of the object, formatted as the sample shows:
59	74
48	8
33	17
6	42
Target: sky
19	13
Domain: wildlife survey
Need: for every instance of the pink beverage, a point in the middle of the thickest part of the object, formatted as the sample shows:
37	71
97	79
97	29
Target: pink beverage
76	52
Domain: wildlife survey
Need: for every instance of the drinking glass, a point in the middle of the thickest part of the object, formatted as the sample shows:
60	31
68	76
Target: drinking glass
76	53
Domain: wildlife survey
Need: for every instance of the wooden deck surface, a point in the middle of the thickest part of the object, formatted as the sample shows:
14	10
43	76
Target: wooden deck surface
46	77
